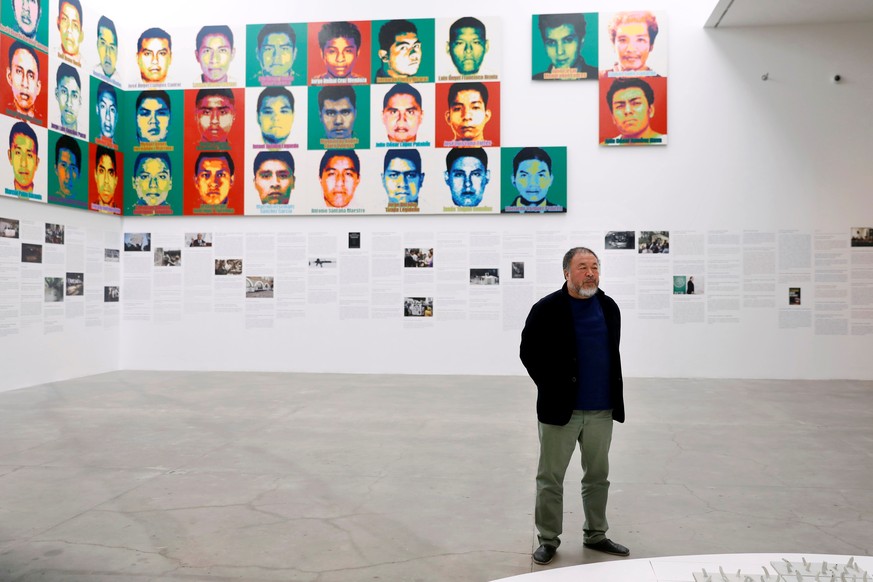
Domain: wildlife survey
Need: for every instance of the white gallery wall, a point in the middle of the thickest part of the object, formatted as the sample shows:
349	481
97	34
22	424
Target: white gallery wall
56	331
760	188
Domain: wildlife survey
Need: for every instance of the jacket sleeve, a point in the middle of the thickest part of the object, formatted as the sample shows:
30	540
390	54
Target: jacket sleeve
533	344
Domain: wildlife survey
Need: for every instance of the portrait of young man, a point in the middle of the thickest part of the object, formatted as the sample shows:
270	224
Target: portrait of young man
23	155
152	181
23	19
402	113
275	115
153	111
340	53
537	182
69	96
214	117
214	54
65	186
467	46
470	107
213	180
278	49
154	55
107	51
629	44
400	53
402	179
633	111
69	23
339	174
563	38
106	114
273	177
467	176
105	195
337	117
26	77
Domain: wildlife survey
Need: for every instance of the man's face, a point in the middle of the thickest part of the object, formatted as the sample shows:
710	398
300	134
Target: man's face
26	16
22	156
215	115
69	100
631	111
402	117
153	182
274	182
67	170
532	180
562	45
467	181
277	55
213	180
70	27
107	50
632	45
154	58
338	118
583	276
214	56
339	55
402	181
467	50
23	76
152	120
275	117
107	113
468	115
404	56
339	179
106	180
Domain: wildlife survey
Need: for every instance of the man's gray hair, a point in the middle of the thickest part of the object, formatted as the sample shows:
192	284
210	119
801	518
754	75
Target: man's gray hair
568	256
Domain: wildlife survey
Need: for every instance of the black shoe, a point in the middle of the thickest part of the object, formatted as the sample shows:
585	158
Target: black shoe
607	546
544	554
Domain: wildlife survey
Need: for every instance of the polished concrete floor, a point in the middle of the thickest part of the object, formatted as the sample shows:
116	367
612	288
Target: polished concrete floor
139	476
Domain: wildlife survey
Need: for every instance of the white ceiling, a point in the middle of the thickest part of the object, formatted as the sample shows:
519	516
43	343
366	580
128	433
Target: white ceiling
777	12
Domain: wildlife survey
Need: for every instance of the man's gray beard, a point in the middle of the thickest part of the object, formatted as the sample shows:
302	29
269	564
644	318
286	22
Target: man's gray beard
586	293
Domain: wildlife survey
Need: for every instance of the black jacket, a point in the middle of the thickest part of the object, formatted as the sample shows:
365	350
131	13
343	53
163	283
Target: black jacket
548	351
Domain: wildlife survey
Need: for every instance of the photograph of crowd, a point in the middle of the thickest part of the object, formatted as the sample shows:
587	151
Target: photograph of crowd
417	258
418	307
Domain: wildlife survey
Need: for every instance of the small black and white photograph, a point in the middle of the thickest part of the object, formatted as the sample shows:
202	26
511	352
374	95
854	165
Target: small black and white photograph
54	234
198	239
322	263
518	270
417	258
794	296
110	255
228	266
75	284
31	253
259	287
862	237
110	294
619	240
418	307
54	289
9	228
136	242
484	276
354	240
168	257
654	241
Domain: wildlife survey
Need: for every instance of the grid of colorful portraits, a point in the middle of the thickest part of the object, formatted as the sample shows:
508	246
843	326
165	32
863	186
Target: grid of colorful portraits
342	117
618	49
